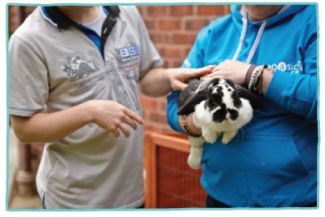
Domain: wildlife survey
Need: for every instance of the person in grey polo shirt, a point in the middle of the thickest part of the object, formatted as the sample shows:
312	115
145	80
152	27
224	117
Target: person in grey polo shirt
75	80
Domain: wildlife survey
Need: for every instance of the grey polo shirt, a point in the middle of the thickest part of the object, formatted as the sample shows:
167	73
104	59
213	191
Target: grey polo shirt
52	70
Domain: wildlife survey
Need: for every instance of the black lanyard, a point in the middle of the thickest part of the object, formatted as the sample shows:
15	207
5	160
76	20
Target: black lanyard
64	22
109	23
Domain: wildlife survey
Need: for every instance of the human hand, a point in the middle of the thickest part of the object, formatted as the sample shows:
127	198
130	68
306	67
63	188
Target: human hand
230	69
112	116
179	76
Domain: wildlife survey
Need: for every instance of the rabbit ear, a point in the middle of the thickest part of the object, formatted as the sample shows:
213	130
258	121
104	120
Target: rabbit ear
254	100
189	99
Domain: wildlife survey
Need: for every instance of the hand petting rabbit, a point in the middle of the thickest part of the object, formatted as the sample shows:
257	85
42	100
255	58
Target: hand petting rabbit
220	108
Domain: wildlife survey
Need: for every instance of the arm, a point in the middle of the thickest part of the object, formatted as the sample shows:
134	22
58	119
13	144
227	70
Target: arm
175	121
298	92
160	81
46	127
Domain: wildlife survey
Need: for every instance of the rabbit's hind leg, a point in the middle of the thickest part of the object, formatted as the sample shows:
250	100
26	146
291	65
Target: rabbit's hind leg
194	158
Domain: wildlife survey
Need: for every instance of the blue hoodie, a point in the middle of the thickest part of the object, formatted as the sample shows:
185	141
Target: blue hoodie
272	162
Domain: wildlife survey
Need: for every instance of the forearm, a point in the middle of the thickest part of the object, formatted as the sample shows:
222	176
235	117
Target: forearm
186	123
296	93
47	127
159	81
267	77
156	82
174	120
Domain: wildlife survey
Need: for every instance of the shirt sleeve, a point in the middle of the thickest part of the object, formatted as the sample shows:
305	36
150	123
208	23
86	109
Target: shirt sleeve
298	93
195	59
150	57
29	85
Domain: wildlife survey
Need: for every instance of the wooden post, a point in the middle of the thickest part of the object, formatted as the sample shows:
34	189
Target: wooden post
25	178
152	142
150	171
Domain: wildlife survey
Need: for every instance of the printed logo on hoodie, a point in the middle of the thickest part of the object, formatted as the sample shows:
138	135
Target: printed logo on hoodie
291	68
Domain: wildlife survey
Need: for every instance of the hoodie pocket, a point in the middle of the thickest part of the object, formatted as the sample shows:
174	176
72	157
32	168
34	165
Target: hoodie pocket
257	154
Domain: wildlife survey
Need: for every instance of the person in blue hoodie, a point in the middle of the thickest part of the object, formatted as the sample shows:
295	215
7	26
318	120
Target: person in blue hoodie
272	162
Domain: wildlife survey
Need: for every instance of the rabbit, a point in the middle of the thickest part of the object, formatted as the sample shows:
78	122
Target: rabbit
220	109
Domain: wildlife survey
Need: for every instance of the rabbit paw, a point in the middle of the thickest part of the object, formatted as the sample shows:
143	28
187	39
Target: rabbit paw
194	159
228	136
196	142
209	136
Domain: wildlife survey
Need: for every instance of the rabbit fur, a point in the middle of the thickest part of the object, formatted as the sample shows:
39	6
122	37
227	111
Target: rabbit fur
220	108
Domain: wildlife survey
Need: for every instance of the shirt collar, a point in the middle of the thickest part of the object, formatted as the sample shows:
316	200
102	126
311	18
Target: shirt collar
56	18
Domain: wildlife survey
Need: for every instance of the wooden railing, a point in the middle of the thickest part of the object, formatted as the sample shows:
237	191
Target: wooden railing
169	182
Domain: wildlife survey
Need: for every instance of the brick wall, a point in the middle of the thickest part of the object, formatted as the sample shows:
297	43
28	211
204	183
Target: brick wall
173	30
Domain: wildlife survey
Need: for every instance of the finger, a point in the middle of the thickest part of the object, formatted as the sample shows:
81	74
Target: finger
178	85
209	77
215	69
129	121
134	116
124	130
116	133
198	72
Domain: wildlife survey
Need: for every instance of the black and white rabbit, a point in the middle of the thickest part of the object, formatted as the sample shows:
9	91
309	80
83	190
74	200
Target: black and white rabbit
220	109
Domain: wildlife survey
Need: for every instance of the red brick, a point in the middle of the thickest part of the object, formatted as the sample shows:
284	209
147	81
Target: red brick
148	127
150	24
186	51
148	102
169	24
226	9
156	11
183	38
166	64
195	24
170	52
29	10
163	104
177	63
173	52
158	117
158	37
207	10
181	10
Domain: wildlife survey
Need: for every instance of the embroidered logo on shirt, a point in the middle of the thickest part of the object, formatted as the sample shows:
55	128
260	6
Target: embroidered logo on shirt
80	66
128	53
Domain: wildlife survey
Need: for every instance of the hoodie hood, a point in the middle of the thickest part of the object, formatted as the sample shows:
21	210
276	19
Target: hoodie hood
273	20
241	21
